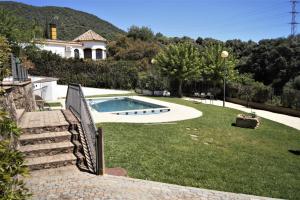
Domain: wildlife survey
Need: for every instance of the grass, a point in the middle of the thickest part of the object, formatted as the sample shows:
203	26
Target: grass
224	157
54	104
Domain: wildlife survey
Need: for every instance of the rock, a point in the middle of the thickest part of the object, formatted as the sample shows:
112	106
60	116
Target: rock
245	121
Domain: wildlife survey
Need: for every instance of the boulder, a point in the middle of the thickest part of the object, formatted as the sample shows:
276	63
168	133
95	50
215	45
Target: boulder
247	121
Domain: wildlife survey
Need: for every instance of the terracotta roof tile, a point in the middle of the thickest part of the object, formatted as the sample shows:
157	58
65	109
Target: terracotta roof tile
90	36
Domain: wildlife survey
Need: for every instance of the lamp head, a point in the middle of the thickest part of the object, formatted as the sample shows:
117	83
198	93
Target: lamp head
224	54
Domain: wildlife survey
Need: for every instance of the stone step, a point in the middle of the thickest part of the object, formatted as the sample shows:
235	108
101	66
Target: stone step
48	149
44	121
43	129
47	137
54	161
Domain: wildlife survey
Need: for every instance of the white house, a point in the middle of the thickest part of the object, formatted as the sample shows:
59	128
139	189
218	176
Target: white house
89	45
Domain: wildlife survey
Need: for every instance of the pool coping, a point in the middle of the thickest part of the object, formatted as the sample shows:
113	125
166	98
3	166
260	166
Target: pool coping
132	110
177	113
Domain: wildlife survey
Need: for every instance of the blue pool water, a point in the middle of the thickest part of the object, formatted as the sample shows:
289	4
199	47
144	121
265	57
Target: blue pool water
121	104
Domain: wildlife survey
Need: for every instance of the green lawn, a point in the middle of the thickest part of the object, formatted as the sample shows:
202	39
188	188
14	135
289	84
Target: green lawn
223	158
54	104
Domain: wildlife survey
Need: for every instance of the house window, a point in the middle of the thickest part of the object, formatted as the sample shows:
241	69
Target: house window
99	54
76	54
87	53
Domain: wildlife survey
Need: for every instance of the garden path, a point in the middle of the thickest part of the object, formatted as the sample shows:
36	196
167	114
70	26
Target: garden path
291	121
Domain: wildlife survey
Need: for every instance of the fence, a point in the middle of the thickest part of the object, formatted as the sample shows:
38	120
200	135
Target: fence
19	73
76	102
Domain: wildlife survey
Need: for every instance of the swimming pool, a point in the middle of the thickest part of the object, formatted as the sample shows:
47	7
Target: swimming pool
126	106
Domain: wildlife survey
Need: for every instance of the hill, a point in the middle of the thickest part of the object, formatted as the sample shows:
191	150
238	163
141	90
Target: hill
70	23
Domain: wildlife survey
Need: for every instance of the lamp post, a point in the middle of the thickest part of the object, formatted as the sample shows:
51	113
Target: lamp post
224	55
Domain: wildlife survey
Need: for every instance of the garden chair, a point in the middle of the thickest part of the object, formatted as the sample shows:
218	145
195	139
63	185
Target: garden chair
203	96
210	97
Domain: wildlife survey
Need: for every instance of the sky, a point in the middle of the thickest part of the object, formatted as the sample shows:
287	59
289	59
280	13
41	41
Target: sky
219	19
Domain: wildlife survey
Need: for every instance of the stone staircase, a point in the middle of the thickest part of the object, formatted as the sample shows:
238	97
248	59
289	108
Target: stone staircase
48	141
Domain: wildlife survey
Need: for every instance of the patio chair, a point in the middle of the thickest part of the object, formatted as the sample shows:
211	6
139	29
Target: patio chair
211	97
203	96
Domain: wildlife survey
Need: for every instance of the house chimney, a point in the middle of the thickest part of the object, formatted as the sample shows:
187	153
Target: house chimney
53	32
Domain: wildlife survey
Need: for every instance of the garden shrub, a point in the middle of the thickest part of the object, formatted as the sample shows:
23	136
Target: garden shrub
297	82
249	91
233	90
4	57
11	162
106	74
290	96
261	92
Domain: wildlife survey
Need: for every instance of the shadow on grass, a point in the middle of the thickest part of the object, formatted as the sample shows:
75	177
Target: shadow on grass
296	152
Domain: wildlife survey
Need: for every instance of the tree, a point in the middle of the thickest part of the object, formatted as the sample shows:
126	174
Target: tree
9	28
214	66
179	62
4	57
273	62
144	33
15	30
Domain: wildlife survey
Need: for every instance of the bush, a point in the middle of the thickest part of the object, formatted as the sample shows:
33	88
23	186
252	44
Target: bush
4	57
107	74
233	90
261	93
290	97
297	82
153	82
249	91
143	33
11	163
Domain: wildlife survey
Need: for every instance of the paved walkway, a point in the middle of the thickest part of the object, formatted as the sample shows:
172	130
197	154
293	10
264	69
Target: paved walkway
68	183
61	91
42	119
291	121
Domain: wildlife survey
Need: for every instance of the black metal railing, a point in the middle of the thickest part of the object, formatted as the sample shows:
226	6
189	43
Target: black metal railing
76	102
19	73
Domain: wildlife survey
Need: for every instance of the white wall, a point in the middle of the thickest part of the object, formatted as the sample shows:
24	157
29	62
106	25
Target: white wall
60	49
80	52
46	90
57	49
95	45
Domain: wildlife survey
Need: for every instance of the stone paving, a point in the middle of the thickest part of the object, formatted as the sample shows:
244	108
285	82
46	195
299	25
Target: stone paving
68	183
43	119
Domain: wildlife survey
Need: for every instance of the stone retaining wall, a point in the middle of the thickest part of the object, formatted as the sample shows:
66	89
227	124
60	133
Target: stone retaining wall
17	96
7	104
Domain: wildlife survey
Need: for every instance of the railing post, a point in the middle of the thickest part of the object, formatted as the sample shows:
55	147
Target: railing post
100	153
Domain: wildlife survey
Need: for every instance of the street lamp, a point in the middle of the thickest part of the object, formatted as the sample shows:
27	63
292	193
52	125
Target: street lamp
224	55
